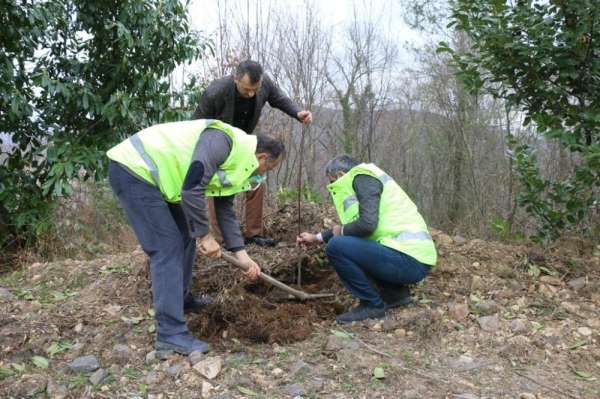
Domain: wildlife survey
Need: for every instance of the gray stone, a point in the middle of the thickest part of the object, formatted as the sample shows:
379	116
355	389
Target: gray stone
222	396
459	240
411	394
164	355
463	362
489	323
153	378
196	357
55	390
465	396
526	395
577	283
98	376
122	350
391	325
316	384
122	353
517	326
298	368
84	364
294	390
5	295
335	343
177	368
477	283
151	357
209	367
487	308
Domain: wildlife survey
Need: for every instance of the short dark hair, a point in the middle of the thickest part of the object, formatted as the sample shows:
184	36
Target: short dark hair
270	145
252	68
341	163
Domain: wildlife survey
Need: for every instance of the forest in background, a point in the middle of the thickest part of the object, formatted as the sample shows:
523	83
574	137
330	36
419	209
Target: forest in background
492	129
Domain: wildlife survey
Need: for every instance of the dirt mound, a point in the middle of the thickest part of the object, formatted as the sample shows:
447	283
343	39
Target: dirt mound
257	312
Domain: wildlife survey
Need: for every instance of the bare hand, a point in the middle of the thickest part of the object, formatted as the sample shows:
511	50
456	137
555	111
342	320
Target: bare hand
253	270
306	238
337	230
305	117
208	246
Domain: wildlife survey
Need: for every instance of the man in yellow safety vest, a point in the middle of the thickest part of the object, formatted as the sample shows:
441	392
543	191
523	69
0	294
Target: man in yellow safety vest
162	177
383	238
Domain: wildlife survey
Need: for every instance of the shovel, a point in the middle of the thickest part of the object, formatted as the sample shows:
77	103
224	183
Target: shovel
273	281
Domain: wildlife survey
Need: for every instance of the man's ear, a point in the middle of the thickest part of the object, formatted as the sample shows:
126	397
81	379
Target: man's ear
262	155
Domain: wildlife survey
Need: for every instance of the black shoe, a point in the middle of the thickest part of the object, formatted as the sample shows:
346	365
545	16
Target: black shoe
183	343
361	312
260	241
395	296
196	304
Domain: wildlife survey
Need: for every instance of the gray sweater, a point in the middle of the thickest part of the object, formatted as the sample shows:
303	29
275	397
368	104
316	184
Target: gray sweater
211	151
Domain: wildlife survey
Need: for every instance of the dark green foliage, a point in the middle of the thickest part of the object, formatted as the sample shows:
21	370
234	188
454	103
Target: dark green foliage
544	59
76	76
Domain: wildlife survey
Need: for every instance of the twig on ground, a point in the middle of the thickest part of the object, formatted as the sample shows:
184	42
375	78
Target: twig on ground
398	363
544	385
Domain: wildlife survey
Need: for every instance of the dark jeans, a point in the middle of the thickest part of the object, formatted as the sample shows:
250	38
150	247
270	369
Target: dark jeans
356	260
161	229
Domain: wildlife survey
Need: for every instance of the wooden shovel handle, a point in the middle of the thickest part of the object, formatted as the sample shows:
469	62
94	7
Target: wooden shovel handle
273	281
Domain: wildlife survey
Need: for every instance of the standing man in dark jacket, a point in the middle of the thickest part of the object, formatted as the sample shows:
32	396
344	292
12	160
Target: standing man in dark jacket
239	100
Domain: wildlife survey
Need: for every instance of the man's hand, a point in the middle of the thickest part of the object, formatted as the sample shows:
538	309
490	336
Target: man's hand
306	238
305	117
208	246
337	230
253	269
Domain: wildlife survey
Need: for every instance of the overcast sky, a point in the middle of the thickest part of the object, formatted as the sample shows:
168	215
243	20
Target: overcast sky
336	13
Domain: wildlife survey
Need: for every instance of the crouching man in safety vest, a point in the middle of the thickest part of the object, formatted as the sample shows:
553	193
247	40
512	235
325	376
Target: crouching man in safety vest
383	238
162	176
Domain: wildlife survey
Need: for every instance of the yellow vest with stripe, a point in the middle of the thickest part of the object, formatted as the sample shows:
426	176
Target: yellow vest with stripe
400	225
162	154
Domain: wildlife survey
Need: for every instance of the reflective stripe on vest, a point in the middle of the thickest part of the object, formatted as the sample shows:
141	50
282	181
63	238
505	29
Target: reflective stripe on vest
384	178
223	178
139	147
413	235
351	200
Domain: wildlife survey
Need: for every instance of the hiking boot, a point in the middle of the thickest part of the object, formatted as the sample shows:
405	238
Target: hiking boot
183	343
260	241
394	296
196	304
361	312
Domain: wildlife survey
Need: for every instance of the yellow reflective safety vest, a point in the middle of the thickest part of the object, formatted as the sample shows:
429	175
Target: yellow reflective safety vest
400	225
162	154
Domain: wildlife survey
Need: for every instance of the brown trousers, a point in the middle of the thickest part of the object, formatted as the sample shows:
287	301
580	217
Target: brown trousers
253	224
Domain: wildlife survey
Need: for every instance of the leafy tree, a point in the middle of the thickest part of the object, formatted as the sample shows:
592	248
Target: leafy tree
75	77
544	59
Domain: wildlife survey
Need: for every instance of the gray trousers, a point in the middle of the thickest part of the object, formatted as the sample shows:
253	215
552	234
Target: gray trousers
161	229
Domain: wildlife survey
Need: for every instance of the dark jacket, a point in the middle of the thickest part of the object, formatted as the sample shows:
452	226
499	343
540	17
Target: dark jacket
218	101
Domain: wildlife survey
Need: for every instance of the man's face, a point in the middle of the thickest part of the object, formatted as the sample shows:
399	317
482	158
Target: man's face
333	178
245	87
266	163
